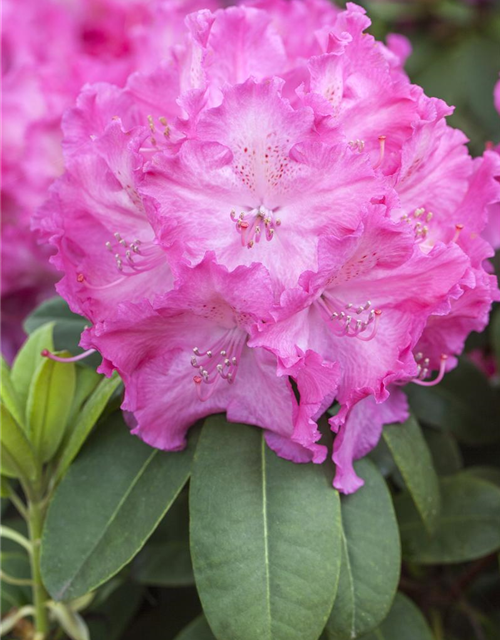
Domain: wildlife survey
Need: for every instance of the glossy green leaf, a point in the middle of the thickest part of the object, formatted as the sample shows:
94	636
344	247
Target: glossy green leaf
468	526
8	394
404	622
414	461
49	404
165	560
85	420
17	454
463	403
106	507
196	630
265	537
371	558
29	359
445	452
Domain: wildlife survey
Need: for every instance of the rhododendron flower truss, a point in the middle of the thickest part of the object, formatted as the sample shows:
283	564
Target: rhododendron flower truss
271	219
187	356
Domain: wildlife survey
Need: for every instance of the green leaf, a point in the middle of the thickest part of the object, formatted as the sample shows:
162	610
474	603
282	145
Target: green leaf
8	394
404	622
165	560
5	488
196	630
110	618
87	417
414	461
445	452
381	456
29	359
463	403
485	472
371	558
18	459
86	382
106	507
49	404
265	538
468	527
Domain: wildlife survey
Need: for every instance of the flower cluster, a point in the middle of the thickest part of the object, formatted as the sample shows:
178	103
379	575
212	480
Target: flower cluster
272	219
50	50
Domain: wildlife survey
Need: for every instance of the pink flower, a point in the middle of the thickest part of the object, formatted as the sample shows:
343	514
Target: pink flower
252	187
187	356
272	208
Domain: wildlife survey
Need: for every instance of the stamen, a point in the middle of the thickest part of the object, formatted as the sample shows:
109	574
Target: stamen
422	373
51	356
220	362
357	145
252	230
458	231
381	140
421	230
131	258
347	325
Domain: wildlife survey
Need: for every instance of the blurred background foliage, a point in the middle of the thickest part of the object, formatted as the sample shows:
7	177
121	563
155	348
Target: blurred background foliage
456	55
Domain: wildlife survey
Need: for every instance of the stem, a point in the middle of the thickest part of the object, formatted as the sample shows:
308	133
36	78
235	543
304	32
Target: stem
40	595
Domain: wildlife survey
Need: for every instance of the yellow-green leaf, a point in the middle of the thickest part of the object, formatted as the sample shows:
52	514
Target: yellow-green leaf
8	394
17	455
49	405
29	359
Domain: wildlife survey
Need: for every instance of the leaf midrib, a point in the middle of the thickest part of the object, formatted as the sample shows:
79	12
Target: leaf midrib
351	578
266	540
114	515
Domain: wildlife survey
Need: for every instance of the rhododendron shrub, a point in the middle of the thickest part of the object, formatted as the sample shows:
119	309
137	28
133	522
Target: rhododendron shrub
282	249
320	176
